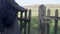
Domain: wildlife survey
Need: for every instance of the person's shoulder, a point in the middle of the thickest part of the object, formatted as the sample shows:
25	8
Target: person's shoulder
11	0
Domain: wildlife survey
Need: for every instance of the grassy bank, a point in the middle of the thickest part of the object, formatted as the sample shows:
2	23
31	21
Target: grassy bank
35	26
34	19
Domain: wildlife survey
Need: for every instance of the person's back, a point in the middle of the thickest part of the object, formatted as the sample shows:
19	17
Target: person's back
6	13
8	16
4	5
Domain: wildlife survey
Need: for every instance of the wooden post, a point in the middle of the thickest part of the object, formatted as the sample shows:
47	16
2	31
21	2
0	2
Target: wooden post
21	16
56	22
48	21
42	15
29	22
25	21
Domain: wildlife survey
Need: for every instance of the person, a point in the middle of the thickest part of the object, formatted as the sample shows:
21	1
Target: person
8	9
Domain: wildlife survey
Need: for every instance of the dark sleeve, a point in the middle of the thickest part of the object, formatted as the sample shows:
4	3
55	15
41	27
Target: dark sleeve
16	6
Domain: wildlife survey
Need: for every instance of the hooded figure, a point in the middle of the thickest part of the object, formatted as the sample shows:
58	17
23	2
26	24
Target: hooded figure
8	9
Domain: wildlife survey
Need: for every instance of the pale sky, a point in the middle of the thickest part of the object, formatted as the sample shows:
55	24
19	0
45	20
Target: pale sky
34	2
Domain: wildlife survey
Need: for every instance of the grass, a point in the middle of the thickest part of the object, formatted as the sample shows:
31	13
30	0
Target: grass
35	23
35	26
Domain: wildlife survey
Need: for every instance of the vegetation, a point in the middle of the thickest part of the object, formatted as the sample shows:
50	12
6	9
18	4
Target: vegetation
34	21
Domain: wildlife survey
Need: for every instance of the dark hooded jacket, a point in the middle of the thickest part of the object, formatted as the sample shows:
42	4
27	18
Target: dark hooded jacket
8	9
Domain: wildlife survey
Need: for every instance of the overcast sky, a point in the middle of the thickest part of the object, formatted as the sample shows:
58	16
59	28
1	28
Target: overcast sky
33	2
